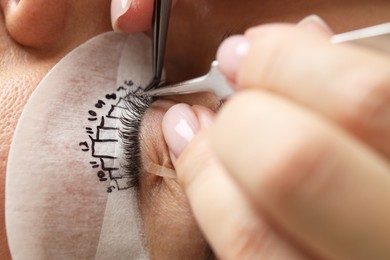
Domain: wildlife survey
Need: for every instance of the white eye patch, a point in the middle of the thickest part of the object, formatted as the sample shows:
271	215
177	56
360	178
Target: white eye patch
63	173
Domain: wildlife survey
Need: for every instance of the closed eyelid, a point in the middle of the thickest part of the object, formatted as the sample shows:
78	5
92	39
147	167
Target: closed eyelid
154	150
131	120
143	146
163	205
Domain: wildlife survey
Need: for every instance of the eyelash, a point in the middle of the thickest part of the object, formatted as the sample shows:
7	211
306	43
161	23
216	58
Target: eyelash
131	120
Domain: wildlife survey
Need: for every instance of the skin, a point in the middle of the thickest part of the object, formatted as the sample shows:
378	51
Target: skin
25	60
308	167
30	46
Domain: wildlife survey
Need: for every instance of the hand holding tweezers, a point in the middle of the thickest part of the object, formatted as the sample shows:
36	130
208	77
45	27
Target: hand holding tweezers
375	37
214	81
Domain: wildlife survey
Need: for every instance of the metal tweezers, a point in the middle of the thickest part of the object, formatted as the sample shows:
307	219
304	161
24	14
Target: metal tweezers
376	37
161	14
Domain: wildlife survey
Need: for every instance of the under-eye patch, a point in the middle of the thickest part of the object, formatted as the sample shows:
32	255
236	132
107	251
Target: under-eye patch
66	154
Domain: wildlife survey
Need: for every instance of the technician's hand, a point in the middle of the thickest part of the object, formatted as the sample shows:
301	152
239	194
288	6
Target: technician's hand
296	165
132	15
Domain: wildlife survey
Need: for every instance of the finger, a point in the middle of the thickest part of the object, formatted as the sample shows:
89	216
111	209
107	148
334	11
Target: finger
347	84
234	49
132	16
319	185
315	24
232	227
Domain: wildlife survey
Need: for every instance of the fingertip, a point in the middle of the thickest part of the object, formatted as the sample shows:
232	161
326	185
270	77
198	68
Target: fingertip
316	24
231	54
118	8
179	126
131	16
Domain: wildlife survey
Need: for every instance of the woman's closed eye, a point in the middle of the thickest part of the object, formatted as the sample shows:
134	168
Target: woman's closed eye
170	229
141	136
144	148
131	120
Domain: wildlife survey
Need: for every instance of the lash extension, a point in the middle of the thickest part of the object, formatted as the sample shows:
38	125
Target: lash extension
131	120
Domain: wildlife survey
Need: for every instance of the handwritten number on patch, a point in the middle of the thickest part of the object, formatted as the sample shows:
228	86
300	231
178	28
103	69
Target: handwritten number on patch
102	176
111	96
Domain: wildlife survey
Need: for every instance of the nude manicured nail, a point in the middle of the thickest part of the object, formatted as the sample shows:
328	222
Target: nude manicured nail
315	22
118	8
179	127
231	53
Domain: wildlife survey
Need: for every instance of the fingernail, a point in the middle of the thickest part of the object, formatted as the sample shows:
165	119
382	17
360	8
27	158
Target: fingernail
179	127
118	8
231	54
316	23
